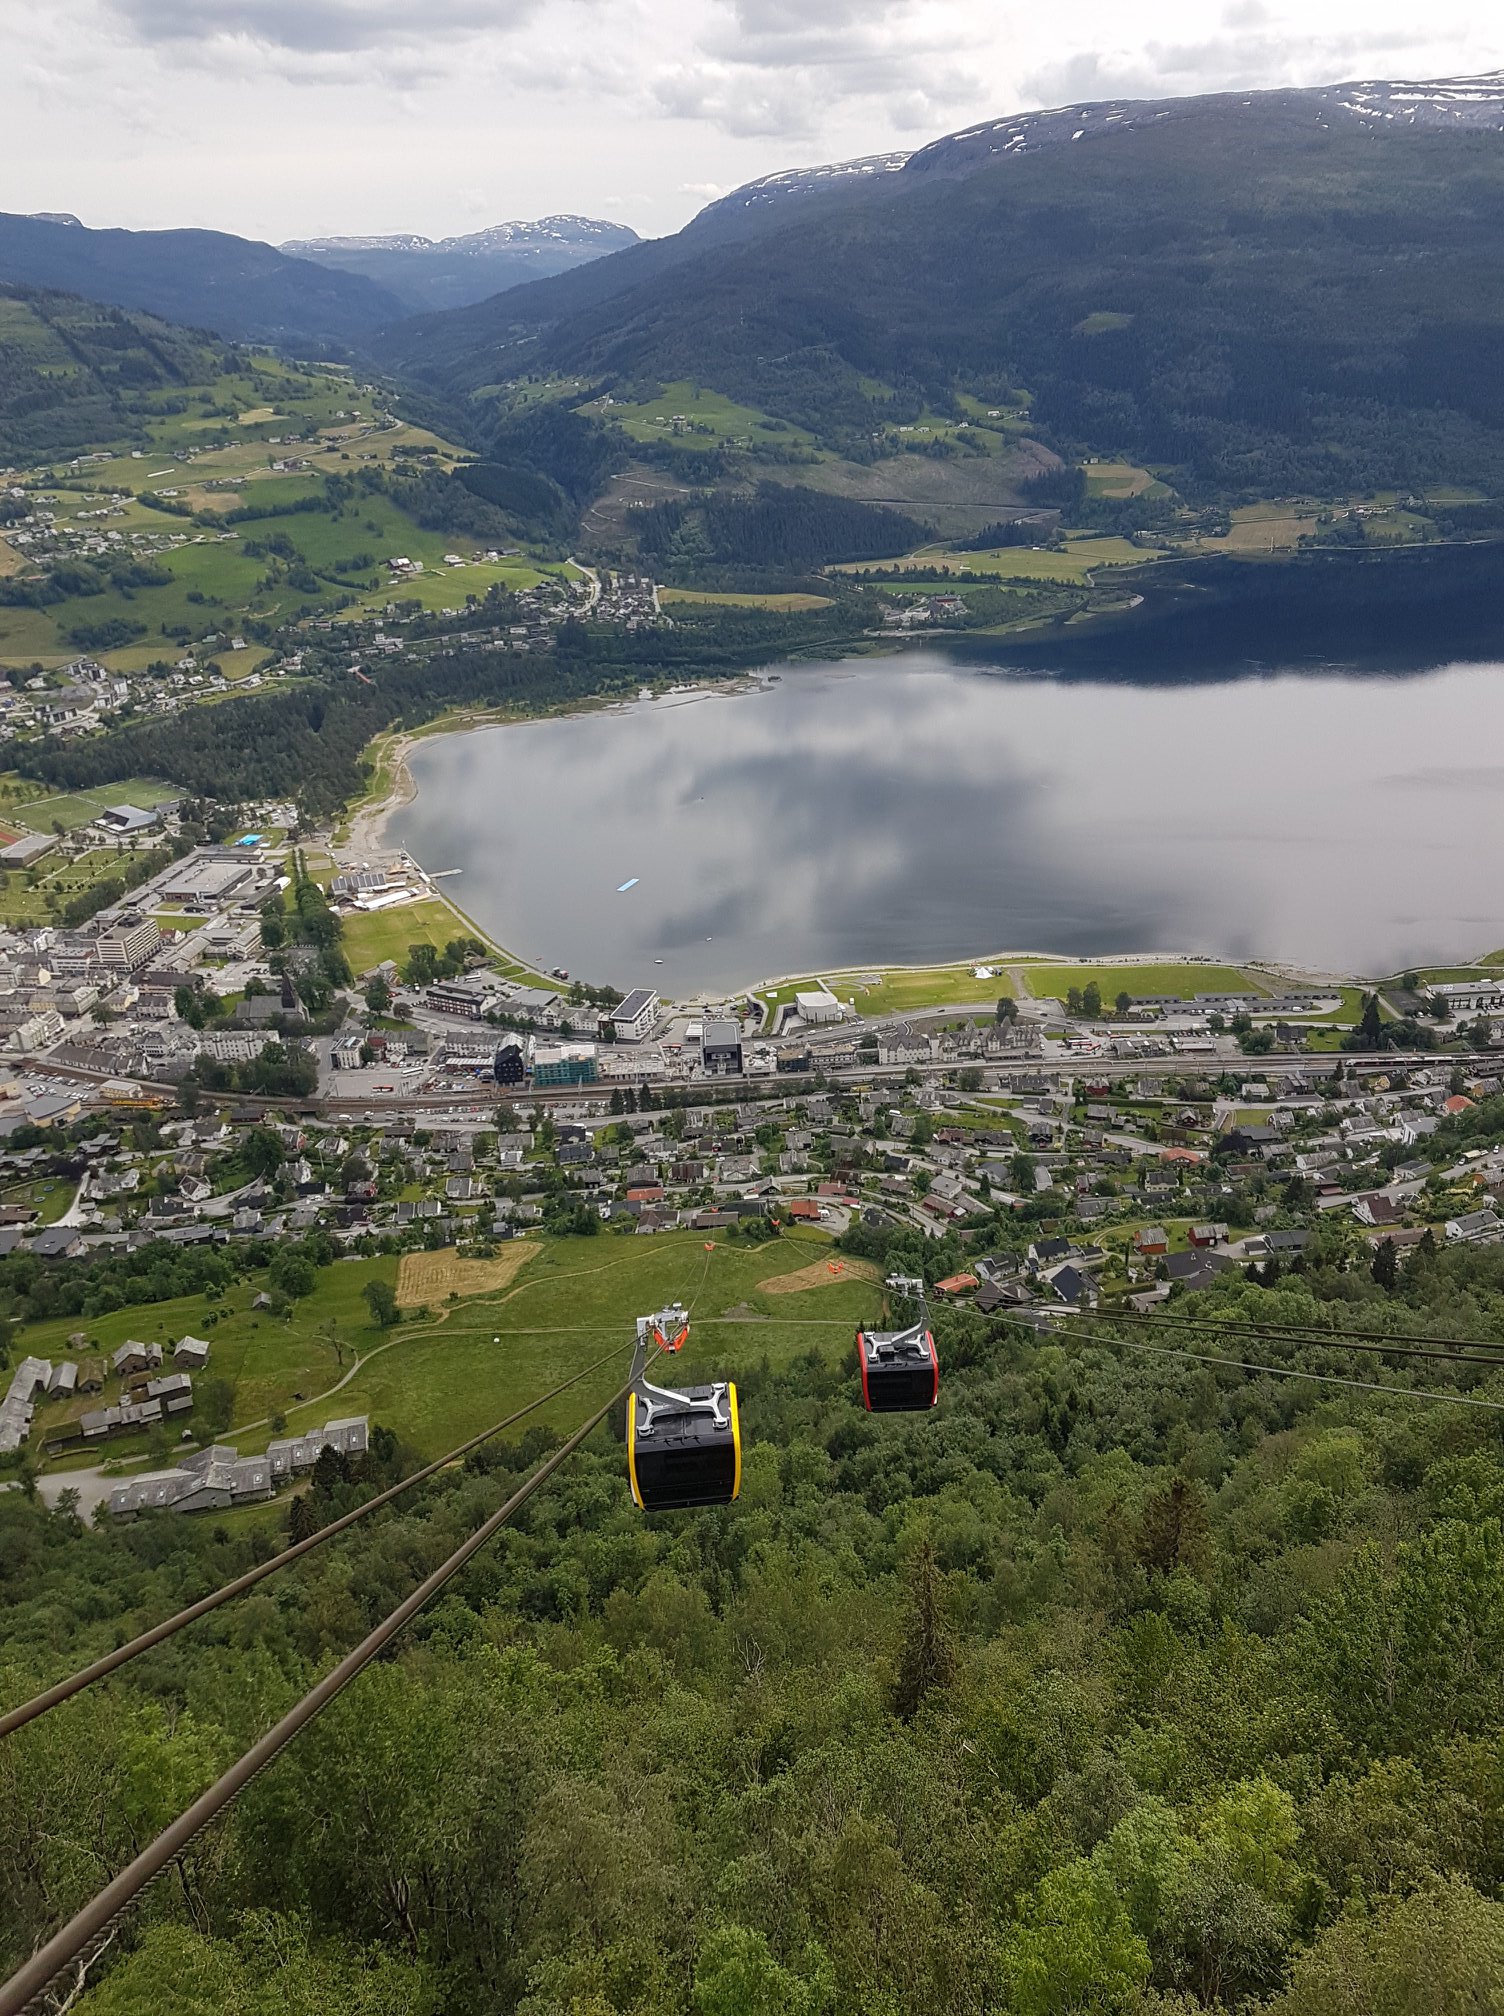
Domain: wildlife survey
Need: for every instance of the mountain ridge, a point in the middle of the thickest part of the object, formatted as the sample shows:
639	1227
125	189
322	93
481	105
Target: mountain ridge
1296	289
238	287
439	273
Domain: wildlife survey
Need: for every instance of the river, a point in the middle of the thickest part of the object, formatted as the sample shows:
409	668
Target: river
913	809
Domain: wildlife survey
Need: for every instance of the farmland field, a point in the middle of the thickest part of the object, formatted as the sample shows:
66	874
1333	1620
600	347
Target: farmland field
694	413
262	440
432	1277
1082	555
785	603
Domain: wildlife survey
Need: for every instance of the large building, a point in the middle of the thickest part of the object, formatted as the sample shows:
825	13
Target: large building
130	943
633	1018
721	1048
469	994
1469	997
818	1004
562	1063
204	880
510	1064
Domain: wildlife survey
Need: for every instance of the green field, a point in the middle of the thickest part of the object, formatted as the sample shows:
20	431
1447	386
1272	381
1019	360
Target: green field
694	413
1083	556
217	457
901	989
1184	979
784	603
373	936
577	1298
59	880
436	1379
267	1359
76	808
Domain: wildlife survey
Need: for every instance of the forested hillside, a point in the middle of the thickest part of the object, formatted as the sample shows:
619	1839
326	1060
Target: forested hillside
1264	294
74	374
210	279
1121	1683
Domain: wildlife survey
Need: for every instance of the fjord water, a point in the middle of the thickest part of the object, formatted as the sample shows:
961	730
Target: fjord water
913	809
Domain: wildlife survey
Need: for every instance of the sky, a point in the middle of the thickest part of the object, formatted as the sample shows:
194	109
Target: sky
300	118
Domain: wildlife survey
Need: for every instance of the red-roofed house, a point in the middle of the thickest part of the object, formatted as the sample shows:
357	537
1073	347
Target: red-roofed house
956	1284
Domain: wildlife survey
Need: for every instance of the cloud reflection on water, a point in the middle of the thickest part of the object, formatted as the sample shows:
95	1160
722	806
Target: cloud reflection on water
913	810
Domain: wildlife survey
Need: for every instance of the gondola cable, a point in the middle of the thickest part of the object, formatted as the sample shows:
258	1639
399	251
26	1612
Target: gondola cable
110	1662
91	1925
1288	1372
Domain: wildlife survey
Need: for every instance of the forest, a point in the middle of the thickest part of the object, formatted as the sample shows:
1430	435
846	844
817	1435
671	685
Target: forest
1121	1683
74	373
306	743
781	527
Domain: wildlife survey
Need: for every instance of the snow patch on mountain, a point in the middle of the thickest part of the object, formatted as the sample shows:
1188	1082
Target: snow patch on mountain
517	236
794	182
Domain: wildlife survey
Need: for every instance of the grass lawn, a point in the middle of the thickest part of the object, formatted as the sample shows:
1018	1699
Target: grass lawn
76	808
371	936
21	902
900	990
48	1196
577	1298
1342	1018
1184	980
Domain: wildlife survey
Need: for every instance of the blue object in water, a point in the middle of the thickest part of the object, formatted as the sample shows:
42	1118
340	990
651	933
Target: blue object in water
623	887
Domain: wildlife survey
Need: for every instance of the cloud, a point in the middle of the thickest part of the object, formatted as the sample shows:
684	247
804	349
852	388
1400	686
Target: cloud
1265	58
315	27
788	68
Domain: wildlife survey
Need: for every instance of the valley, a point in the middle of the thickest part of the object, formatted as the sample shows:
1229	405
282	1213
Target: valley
751	1012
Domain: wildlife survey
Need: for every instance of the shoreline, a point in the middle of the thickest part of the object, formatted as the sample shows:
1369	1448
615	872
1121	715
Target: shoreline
366	834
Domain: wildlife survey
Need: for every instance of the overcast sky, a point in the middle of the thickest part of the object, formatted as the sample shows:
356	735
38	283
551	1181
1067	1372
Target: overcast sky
293	118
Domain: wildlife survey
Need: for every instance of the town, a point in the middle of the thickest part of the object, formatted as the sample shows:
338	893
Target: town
184	1078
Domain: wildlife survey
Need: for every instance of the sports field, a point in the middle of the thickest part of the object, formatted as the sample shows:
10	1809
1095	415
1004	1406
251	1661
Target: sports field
76	808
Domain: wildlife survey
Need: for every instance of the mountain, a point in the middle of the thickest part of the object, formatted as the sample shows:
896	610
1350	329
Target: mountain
75	374
206	279
449	272
1260	291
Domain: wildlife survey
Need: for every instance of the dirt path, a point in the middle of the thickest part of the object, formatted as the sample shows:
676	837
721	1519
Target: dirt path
818	1274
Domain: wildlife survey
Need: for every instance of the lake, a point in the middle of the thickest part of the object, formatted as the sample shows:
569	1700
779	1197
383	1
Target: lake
913	809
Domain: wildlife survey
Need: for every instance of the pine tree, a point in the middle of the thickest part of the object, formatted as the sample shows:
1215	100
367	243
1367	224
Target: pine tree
1385	1269
1175	1531
926	1661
